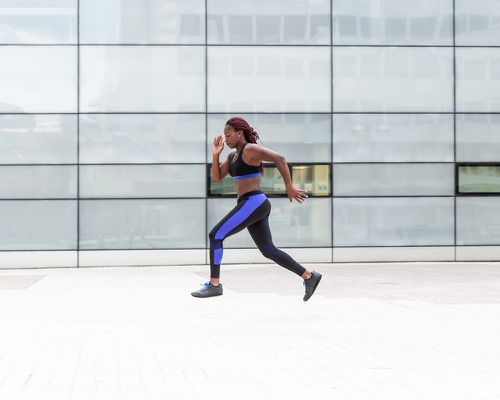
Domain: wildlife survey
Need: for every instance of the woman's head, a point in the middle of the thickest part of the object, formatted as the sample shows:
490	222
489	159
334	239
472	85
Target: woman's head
236	129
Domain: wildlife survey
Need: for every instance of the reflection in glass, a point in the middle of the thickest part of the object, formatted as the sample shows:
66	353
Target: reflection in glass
477	23
393	221
268	22
142	181
393	179
142	138
38	182
392	137
272	181
142	224
280	79
404	78
479	179
38	225
38	21
478	79
38	79
223	188
314	179
478	220
152	21
478	137
393	22
142	79
35	138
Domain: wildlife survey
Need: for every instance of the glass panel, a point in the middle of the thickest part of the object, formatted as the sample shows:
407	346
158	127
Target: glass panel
393	79
272	181
386	137
152	21
478	79
478	220
393	222
314	179
393	179
142	181
299	137
42	182
478	137
38	225
38	21
269	22
292	224
479	179
477	22
269	79
129	138
38	79
142	79
142	224
224	188
396	22
29	139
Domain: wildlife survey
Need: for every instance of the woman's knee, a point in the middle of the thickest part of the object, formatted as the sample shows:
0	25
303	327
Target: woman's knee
211	235
268	250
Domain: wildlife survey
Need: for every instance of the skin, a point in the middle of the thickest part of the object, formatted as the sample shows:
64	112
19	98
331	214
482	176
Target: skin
253	154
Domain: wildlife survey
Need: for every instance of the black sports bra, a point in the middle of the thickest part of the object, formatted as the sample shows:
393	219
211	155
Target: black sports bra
241	170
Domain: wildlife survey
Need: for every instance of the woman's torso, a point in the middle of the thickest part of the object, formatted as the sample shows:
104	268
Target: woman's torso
246	176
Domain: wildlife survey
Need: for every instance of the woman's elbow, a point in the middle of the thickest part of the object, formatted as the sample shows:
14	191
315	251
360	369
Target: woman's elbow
280	159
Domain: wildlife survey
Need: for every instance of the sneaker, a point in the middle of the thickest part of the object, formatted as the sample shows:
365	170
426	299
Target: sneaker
208	290
311	284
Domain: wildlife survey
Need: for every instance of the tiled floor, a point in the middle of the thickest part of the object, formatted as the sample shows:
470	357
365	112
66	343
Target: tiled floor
372	331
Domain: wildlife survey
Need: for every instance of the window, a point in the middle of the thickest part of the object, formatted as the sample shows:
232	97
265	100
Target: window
478	179
315	179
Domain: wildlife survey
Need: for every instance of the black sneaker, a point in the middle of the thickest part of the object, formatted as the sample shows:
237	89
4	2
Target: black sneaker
208	290
311	284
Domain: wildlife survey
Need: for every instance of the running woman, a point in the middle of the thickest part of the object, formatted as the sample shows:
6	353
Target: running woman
253	207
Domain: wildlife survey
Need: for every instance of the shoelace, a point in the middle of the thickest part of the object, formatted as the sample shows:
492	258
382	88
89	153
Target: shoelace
205	285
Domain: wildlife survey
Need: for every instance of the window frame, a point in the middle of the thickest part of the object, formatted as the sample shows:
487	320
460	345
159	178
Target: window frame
458	193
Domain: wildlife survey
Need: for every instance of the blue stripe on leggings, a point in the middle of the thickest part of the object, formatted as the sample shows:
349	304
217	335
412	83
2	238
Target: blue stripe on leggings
217	256
241	215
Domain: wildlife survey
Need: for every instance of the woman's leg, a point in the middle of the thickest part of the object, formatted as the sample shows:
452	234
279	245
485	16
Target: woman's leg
261	235
245	213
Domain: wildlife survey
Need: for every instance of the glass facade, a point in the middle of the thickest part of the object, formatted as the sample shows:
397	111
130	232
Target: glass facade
388	113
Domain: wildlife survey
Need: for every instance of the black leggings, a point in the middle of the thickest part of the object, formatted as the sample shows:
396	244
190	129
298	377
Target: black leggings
251	212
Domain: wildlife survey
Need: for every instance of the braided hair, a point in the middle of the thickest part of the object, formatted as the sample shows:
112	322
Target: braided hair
240	124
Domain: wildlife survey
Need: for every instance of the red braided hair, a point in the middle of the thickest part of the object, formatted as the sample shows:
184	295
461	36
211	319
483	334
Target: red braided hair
240	124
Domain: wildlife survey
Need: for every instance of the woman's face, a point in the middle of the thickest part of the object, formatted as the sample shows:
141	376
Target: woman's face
231	136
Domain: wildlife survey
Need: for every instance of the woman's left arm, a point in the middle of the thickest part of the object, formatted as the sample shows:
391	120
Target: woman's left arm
259	153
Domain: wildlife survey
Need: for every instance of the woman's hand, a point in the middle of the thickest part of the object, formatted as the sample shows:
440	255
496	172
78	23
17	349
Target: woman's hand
218	145
296	194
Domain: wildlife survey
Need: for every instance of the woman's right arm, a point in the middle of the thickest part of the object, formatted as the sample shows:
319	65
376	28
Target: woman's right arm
218	172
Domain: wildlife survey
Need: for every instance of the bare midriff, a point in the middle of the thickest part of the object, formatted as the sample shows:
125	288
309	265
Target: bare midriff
246	185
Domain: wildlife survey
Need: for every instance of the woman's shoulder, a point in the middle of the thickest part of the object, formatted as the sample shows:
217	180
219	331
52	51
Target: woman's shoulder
251	147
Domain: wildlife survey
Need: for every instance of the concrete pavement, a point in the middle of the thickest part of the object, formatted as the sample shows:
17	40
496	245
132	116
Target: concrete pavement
372	331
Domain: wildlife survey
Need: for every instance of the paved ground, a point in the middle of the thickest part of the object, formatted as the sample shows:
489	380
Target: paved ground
372	331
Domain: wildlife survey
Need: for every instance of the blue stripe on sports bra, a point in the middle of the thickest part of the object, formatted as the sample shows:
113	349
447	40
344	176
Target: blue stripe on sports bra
239	177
